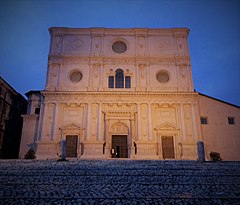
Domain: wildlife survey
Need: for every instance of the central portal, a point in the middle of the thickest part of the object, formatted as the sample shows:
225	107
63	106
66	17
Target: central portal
119	146
71	145
168	147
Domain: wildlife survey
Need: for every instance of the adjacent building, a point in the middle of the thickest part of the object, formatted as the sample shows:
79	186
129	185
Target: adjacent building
125	93
12	106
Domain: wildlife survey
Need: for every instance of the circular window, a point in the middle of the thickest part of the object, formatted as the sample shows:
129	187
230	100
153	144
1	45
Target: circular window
119	47
163	77
76	76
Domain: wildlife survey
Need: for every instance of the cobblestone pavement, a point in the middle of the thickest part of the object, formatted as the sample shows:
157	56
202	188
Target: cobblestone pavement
119	182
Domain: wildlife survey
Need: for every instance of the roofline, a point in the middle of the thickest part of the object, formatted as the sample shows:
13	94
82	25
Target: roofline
32	91
219	100
119	28
16	92
102	30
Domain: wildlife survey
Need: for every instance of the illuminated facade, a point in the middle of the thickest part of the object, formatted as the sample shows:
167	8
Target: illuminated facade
125	93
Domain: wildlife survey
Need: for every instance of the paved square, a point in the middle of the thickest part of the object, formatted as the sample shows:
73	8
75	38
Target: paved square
119	182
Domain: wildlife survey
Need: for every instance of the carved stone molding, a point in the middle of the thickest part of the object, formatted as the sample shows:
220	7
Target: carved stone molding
167	128
133	60
119	128
119	93
55	59
71	129
182	60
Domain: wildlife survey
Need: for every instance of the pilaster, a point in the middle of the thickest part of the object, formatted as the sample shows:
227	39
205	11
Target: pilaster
44	121
148	77
39	135
131	137
150	123
195	134
138	122
182	123
55	122
99	132
88	123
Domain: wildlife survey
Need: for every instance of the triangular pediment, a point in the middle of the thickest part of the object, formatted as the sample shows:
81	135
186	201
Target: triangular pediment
167	126
71	126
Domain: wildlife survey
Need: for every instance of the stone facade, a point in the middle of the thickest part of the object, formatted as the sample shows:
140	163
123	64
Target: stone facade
125	93
30	123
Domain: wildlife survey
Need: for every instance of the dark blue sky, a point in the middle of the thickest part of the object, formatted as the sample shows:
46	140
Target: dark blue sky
214	38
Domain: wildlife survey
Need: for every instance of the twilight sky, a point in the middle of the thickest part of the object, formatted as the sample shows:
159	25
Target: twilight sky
214	38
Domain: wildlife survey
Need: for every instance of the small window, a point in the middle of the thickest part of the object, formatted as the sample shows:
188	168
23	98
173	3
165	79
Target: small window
119	83
76	76
204	120
119	80
119	47
162	77
111	82
127	82
37	110
231	120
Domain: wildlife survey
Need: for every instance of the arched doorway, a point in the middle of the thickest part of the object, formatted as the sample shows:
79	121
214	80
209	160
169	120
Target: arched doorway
120	145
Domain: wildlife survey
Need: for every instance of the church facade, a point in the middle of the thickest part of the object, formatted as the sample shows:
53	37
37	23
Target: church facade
125	93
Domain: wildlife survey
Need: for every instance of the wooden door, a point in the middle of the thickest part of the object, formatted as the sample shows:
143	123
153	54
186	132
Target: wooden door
168	147
119	146
71	145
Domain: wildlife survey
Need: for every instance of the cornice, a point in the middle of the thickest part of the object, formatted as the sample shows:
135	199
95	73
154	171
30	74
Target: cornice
30	116
118	93
150	60
117	31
